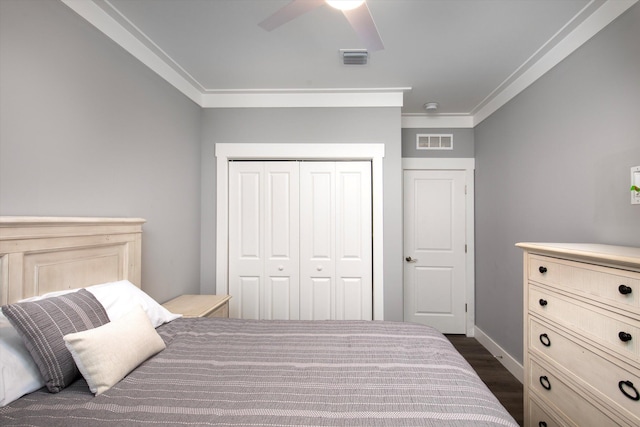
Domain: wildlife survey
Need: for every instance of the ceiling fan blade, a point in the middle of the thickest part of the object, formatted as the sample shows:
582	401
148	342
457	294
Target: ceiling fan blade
362	22
289	12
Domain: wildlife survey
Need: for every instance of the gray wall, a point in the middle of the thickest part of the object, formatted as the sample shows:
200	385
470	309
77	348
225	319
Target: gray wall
463	143
553	165
87	130
310	125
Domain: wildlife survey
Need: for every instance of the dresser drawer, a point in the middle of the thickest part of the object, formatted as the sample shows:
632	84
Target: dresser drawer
604	284
538	417
601	374
563	398
592	322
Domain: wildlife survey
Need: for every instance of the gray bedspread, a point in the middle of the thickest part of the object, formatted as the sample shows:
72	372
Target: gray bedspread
227	372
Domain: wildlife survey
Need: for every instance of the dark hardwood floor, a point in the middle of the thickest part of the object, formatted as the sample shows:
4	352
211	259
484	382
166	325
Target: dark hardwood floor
500	381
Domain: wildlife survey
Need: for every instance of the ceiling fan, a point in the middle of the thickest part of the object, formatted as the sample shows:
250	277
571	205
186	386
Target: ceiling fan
356	11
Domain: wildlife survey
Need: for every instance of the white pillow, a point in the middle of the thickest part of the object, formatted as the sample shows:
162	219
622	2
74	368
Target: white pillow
19	374
106	354
119	298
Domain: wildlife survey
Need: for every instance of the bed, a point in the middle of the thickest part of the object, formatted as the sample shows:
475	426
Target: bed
225	372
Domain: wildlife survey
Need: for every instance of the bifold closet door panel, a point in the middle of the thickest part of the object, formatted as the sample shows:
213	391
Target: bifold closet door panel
281	241
354	245
335	240
246	259
263	240
317	240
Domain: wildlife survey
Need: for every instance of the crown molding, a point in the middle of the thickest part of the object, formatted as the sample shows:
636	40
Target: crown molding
297	98
306	99
163	66
436	121
595	22
100	19
599	19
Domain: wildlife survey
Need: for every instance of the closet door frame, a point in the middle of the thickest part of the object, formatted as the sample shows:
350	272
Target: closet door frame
329	152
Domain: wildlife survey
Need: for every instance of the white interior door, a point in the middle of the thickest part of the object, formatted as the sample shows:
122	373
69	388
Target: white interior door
335	240
434	249
263	240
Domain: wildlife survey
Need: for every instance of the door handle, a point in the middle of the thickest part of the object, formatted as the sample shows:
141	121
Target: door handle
409	259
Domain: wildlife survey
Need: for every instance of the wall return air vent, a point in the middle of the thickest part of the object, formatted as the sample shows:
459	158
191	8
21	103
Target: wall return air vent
434	141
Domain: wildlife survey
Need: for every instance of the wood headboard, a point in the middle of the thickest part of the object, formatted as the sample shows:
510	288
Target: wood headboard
46	254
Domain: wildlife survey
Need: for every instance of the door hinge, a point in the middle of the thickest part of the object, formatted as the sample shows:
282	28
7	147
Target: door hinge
465	248
465	308
465	189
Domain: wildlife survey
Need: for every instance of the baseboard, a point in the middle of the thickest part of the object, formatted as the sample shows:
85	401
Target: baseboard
512	365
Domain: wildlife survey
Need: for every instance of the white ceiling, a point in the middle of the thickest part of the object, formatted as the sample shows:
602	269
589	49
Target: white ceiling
470	56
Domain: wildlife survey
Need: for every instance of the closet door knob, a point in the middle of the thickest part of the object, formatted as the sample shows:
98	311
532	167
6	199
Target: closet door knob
542	424
543	302
319	268
624	289
624	336
542	269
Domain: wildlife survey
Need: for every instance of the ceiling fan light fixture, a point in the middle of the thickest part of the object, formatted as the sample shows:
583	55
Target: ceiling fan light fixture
345	4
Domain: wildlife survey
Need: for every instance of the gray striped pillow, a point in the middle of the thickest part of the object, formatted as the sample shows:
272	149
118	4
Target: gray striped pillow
43	324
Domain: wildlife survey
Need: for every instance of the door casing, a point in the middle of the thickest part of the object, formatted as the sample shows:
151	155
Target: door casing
250	151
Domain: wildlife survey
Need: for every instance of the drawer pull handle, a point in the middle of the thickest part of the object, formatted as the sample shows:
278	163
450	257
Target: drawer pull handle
623	385
542	424
542	269
544	382
543	302
544	339
624	289
624	336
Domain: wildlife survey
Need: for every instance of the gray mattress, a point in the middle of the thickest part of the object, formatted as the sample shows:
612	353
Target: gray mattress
228	372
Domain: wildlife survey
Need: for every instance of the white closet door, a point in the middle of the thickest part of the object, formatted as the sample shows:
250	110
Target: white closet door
354	247
263	240
246	253
335	240
317	241
281	232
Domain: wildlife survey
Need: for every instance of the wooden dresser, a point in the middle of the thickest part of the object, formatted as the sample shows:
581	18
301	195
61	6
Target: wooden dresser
581	335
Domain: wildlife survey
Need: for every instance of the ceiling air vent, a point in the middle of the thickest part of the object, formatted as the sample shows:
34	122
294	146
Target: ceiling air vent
434	141
354	57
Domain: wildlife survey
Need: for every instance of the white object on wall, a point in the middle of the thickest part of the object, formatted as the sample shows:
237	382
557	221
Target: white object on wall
635	182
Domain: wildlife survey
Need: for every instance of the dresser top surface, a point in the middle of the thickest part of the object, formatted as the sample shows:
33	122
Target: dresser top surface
622	255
